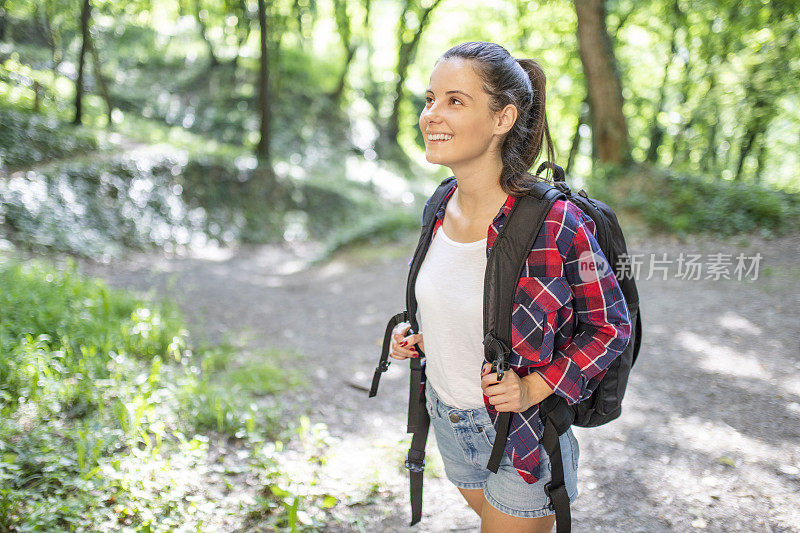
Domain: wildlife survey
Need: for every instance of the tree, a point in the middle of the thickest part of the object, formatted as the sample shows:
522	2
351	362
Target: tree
656	130
609	130
345	33
409	39
262	151
85	37
200	15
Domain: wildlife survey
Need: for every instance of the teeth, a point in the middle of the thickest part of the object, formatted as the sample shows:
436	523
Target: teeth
439	137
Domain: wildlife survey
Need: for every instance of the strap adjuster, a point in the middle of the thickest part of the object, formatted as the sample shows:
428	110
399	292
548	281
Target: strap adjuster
501	353
383	366
555	493
417	464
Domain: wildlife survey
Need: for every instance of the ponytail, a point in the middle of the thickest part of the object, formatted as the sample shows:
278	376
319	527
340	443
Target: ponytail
538	131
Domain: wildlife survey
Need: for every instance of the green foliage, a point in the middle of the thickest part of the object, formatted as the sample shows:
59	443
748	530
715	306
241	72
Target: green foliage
100	207
28	138
58	332
688	204
382	226
294	502
98	392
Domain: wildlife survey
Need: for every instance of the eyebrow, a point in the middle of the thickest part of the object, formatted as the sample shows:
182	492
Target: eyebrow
453	91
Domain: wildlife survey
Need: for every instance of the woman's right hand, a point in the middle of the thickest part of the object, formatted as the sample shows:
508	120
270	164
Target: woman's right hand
402	344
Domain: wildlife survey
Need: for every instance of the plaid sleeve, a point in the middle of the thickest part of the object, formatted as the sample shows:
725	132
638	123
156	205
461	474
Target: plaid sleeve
603	326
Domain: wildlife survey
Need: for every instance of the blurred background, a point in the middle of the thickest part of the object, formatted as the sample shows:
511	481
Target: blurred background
207	207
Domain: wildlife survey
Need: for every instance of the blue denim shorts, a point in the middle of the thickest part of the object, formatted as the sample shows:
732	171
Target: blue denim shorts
465	438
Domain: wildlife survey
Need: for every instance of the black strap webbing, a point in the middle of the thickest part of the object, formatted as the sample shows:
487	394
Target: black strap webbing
416	399
503	268
383	363
555	488
415	460
503	421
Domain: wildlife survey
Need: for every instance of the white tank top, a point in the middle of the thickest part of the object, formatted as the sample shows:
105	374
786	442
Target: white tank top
449	291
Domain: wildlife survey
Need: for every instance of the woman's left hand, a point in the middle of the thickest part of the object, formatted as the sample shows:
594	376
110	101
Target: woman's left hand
513	393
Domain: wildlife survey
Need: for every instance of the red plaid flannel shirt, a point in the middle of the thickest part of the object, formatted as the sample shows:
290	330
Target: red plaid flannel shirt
565	328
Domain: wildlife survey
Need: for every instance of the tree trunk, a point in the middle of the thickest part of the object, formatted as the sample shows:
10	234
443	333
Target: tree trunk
405	56
761	115
372	90
583	118
609	129
760	158
101	81
337	93
345	33
744	151
298	13
262	151
85	16
52	42
212	57
3	21
656	131
709	159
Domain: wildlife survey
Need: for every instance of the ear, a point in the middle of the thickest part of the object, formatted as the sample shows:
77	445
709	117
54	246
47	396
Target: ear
505	119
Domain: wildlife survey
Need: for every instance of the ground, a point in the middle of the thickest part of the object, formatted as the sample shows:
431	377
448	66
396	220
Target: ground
708	438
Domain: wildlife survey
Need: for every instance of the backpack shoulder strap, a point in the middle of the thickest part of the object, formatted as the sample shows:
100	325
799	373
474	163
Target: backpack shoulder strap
508	255
418	419
435	201
428	221
503	268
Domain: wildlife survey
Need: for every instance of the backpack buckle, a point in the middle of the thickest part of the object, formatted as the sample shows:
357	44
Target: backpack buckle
417	464
563	187
500	365
501	353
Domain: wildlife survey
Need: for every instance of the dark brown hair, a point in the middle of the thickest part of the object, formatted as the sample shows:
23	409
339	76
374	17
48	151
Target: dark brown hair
522	83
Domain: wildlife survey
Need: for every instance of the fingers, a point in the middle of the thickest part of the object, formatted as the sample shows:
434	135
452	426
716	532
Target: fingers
402	349
403	346
492	387
504	395
400	330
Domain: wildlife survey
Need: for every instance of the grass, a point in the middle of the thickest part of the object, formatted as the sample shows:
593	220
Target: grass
108	416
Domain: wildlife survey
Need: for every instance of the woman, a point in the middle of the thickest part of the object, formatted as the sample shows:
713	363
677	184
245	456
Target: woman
484	118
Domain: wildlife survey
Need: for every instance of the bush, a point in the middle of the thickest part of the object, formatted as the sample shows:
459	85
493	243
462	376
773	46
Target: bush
162	198
58	332
28	138
98	392
689	204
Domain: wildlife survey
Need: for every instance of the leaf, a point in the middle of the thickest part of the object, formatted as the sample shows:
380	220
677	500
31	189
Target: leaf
329	502
726	461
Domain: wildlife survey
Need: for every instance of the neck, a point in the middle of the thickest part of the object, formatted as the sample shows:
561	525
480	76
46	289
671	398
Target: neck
479	194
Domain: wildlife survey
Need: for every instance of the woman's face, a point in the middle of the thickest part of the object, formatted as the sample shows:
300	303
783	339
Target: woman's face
456	105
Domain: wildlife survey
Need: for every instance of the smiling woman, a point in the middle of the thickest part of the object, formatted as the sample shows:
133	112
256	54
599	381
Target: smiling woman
484	118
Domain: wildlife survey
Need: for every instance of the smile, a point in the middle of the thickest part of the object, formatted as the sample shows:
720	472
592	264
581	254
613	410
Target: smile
439	137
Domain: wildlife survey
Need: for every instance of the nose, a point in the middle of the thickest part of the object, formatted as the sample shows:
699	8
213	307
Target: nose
430	114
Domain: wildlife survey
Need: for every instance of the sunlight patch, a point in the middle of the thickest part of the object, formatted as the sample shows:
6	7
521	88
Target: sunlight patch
722	359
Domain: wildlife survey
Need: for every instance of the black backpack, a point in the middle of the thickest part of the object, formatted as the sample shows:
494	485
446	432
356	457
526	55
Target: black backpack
504	263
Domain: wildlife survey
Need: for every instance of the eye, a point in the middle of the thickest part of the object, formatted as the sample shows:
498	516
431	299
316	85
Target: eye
456	100
428	99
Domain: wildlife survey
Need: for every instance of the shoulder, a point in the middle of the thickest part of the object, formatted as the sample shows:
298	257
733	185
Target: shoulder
565	220
447	185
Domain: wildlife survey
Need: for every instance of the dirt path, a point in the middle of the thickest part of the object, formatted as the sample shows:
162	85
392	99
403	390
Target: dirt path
709	438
